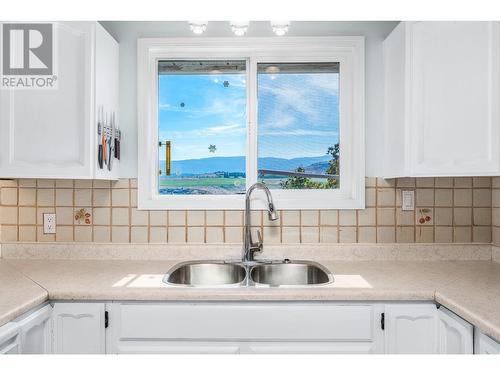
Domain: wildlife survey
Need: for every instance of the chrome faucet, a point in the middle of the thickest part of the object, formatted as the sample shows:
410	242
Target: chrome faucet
250	247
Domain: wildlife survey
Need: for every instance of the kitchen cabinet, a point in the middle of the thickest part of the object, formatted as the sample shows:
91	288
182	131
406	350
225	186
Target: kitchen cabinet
411	328
484	344
10	339
78	328
240	327
243	328
53	133
35	331
442	89
455	334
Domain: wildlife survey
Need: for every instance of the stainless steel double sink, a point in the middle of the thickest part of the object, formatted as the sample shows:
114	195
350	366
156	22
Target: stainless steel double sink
260	273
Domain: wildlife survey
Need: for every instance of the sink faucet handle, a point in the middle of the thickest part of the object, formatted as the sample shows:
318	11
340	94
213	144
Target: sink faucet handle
256	247
259	239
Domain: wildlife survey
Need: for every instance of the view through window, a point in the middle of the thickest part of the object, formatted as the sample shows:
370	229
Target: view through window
202	127
202	118
298	125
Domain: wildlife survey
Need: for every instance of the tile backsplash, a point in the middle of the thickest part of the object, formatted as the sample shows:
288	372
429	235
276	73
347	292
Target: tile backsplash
447	210
495	214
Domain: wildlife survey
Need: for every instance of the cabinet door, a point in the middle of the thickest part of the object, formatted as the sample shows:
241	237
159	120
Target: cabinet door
45	133
484	344
106	93
10	339
455	334
78	328
271	327
411	329
284	347
454	95
36	332
176	347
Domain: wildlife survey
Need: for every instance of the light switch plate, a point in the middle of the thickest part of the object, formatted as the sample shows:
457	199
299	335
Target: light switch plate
49	223
407	200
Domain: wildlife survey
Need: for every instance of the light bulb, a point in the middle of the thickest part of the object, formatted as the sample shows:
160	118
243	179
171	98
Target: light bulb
198	27
239	28
280	28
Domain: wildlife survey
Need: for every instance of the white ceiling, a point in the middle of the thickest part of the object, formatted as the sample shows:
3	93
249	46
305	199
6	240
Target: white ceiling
125	29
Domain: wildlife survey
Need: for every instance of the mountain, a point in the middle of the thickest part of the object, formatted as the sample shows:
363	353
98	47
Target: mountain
318	168
237	164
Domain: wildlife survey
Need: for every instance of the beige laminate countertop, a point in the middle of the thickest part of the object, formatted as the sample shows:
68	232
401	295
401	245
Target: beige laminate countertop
469	288
18	293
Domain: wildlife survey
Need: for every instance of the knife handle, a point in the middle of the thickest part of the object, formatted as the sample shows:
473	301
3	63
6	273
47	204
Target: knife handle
117	149
100	157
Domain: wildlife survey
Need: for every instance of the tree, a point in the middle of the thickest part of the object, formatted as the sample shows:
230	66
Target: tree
333	167
295	182
299	182
333	164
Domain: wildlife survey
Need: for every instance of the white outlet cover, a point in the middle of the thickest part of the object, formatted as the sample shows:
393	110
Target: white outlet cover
408	200
49	223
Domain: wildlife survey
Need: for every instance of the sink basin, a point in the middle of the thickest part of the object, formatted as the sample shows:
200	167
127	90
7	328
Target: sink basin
288	273
206	273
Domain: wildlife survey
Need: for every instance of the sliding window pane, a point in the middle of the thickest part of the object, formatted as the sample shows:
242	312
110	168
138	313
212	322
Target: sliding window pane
298	125
202	127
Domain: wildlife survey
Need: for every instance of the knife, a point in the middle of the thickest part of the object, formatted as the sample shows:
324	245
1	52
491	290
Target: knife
111	141
99	133
104	140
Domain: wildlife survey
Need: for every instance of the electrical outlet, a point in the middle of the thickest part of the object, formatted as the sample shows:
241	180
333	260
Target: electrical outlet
49	223
408	200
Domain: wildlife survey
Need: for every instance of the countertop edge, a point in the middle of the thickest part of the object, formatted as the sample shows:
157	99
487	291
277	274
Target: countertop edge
484	325
18	311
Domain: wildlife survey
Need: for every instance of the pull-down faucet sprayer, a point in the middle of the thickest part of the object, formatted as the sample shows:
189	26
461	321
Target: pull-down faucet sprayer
250	247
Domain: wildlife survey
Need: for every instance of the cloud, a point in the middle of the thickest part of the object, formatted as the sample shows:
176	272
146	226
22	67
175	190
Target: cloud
301	132
308	96
215	107
218	130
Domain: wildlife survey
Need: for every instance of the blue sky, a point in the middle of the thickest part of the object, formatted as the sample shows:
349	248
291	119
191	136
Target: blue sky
212	114
298	114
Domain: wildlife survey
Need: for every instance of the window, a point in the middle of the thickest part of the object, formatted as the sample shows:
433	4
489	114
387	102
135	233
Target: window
201	127
217	115
298	125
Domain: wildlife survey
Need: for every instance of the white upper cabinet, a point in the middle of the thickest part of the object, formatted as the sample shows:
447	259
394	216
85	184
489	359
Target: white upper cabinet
52	132
441	99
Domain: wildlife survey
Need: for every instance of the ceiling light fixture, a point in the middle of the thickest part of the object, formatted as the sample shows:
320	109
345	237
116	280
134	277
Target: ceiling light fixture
239	28
198	27
280	28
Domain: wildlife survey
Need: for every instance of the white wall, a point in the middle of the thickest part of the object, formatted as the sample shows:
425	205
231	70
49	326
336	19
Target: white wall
127	32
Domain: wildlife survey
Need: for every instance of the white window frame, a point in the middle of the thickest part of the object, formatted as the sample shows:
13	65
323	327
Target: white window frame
348	51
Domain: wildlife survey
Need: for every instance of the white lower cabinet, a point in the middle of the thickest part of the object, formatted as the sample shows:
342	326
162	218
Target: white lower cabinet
243	327
35	331
10	339
78	328
411	328
281	347
455	334
239	327
422	328
484	344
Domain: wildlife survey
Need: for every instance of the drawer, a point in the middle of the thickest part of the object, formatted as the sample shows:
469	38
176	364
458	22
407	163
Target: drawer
242	321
